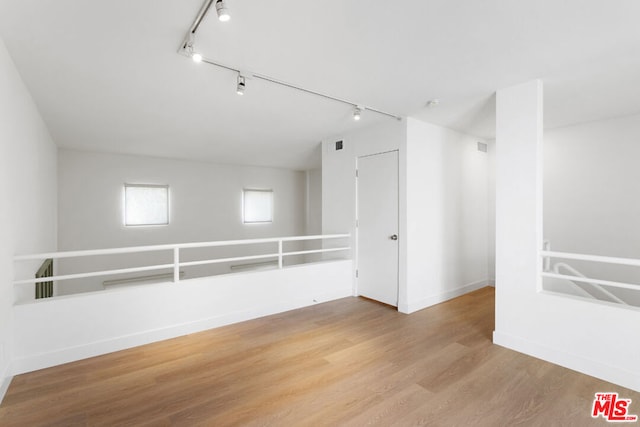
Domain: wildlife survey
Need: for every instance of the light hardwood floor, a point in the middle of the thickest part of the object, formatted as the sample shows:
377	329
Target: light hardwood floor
349	362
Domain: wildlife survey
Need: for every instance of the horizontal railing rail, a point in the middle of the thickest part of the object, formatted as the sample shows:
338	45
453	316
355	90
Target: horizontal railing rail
151	248
573	272
279	255
146	278
545	254
594	258
613	284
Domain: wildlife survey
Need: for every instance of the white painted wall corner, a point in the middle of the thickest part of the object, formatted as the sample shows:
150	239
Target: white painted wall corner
6	382
442	297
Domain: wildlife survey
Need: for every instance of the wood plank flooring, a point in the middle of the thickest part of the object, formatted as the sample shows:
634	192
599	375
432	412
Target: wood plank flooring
350	362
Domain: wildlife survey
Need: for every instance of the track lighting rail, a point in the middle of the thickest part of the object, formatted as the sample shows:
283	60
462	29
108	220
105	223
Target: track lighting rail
187	49
201	15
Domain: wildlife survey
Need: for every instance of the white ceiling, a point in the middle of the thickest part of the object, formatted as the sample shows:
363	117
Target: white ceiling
107	77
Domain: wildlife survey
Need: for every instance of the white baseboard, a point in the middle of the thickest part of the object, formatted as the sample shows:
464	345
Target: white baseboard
4	386
574	362
441	297
72	354
491	282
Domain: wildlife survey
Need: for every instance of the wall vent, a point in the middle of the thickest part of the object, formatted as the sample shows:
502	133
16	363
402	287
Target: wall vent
482	147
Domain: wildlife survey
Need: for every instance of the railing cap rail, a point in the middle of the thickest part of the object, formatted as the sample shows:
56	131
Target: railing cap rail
594	258
151	248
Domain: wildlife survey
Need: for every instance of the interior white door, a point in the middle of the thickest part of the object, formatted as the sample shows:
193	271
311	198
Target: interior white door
377	221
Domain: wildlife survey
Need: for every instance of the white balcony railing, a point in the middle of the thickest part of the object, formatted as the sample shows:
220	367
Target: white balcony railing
554	271
177	264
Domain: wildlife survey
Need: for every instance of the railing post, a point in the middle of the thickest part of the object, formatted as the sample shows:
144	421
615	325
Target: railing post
546	261
176	265
279	253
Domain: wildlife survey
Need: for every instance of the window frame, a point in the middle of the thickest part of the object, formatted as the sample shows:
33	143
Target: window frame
257	190
124	210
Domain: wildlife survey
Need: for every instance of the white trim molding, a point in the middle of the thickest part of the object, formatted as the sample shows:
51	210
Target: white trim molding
571	361
6	382
441	297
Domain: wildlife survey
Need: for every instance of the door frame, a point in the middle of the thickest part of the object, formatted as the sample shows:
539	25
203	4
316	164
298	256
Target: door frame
357	228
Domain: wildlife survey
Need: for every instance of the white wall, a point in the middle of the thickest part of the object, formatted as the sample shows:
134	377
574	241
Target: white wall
590	337
447	215
314	201
78	326
338	170
314	211
592	188
205	203
338	176
491	175
28	192
443	205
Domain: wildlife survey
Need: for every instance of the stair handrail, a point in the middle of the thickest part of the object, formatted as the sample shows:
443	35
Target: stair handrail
556	269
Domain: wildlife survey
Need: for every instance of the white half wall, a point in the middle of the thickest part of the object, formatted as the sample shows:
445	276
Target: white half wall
205	205
65	329
28	192
589	337
446	215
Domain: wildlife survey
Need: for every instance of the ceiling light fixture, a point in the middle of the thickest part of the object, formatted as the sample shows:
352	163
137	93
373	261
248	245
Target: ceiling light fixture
357	111
223	12
241	85
433	103
191	50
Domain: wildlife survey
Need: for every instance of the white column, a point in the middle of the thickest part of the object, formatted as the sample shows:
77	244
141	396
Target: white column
519	138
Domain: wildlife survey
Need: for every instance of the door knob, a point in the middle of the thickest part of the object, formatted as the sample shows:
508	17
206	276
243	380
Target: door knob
394	237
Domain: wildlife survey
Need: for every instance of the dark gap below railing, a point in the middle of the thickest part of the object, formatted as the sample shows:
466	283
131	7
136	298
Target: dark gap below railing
45	289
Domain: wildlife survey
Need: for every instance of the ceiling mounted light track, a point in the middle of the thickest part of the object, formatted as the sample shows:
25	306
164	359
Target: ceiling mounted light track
187	49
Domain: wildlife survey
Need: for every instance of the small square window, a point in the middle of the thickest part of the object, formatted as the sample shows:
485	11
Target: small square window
257	206
146	204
